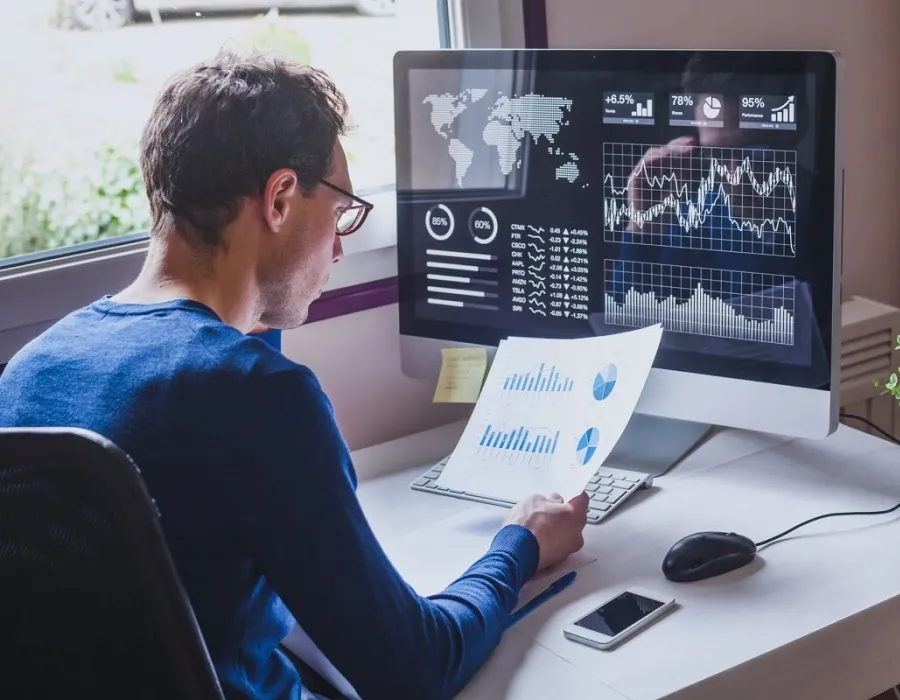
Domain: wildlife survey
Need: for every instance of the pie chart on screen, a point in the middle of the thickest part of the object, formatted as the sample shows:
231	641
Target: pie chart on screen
605	382
587	445
711	107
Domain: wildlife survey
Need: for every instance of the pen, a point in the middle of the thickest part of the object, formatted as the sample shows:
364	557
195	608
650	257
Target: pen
541	598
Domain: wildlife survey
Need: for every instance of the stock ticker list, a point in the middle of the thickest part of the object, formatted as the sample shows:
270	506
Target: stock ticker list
549	271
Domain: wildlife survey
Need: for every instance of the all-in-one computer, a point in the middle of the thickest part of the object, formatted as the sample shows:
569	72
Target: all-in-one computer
569	193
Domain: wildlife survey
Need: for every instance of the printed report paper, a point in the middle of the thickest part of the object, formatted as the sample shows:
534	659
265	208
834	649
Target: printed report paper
550	413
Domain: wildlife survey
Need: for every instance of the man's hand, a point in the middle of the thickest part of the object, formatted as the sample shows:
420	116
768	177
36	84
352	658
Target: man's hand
557	525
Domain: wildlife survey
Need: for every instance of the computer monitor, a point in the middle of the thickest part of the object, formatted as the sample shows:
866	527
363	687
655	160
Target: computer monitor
567	193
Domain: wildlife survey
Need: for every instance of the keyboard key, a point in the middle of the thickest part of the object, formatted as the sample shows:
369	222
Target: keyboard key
594	480
592	487
598	498
606	481
604	489
622	484
422	481
616	495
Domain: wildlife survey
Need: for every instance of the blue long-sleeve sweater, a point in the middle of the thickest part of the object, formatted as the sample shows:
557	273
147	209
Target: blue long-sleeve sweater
240	449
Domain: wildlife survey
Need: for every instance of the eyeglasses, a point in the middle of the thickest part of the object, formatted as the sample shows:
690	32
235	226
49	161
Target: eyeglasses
353	217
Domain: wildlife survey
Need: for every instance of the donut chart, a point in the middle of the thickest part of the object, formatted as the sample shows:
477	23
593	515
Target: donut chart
439	222
483	225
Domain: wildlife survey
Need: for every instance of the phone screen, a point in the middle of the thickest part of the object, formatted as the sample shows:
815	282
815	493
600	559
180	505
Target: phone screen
619	614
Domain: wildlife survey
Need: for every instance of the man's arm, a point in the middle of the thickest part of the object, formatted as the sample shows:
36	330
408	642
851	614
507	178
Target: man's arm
302	522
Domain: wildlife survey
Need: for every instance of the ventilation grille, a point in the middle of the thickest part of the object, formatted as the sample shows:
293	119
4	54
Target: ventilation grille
867	358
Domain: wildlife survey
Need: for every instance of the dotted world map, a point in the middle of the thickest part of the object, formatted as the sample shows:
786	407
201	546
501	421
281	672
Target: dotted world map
509	122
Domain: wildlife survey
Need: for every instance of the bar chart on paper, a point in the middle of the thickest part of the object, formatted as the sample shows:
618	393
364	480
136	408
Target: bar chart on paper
518	442
544	379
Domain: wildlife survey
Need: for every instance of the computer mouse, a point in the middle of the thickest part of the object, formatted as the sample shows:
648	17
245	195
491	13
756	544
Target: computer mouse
707	554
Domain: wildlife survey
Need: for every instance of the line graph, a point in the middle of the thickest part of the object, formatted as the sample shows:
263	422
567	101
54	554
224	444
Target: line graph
732	304
725	199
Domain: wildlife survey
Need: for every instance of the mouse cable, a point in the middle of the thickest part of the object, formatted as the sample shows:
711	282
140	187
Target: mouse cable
827	515
884	433
836	515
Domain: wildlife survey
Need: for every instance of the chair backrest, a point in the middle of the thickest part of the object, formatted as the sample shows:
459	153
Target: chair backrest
90	602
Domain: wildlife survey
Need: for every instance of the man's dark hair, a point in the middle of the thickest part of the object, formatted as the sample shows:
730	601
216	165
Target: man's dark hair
219	130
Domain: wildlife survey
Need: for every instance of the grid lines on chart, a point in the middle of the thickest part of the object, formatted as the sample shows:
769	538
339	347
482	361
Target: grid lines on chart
704	198
734	304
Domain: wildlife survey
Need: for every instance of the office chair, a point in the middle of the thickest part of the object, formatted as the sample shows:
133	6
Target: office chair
90	602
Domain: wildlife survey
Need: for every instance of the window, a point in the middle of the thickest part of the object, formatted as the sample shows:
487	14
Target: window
73	214
69	146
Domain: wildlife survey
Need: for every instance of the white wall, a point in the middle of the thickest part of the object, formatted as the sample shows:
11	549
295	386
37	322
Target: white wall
357	360
865	32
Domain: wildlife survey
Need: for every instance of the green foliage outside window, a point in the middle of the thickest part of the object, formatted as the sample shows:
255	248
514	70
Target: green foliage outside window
101	195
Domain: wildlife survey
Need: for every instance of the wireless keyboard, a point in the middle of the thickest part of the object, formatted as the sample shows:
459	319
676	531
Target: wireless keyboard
608	489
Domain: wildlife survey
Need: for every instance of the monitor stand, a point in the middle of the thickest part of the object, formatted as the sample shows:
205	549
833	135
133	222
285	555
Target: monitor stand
653	445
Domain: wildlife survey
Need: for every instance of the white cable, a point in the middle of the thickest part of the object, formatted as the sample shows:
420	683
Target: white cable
896	692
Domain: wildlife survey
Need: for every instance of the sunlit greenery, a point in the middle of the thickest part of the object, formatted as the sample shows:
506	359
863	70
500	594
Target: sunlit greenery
100	194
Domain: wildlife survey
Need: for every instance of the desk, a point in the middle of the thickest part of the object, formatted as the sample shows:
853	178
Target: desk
816	616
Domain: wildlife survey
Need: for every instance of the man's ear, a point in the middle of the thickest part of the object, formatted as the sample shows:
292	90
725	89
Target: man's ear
279	197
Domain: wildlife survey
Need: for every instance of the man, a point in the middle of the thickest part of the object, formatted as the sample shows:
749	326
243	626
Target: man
249	189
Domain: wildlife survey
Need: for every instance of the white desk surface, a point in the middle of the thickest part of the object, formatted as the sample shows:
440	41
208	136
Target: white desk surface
815	616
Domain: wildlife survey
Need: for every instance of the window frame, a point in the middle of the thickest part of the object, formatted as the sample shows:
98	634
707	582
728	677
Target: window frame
37	290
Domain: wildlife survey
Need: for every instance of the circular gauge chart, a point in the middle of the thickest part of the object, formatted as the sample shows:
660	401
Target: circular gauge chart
439	222
605	382
587	445
483	225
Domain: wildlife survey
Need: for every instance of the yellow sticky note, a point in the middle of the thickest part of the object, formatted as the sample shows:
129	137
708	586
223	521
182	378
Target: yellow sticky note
462	374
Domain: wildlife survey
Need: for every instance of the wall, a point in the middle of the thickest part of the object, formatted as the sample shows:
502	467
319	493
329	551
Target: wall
357	360
863	31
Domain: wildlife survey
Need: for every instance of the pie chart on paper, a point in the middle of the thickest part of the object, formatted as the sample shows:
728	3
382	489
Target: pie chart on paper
587	445
605	382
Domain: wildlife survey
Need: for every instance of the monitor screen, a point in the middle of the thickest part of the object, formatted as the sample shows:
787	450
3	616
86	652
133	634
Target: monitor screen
566	193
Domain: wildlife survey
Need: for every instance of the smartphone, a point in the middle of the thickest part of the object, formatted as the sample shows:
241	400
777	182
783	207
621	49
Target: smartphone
619	618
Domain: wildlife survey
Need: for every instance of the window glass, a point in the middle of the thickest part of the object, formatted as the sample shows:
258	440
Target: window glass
79	78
